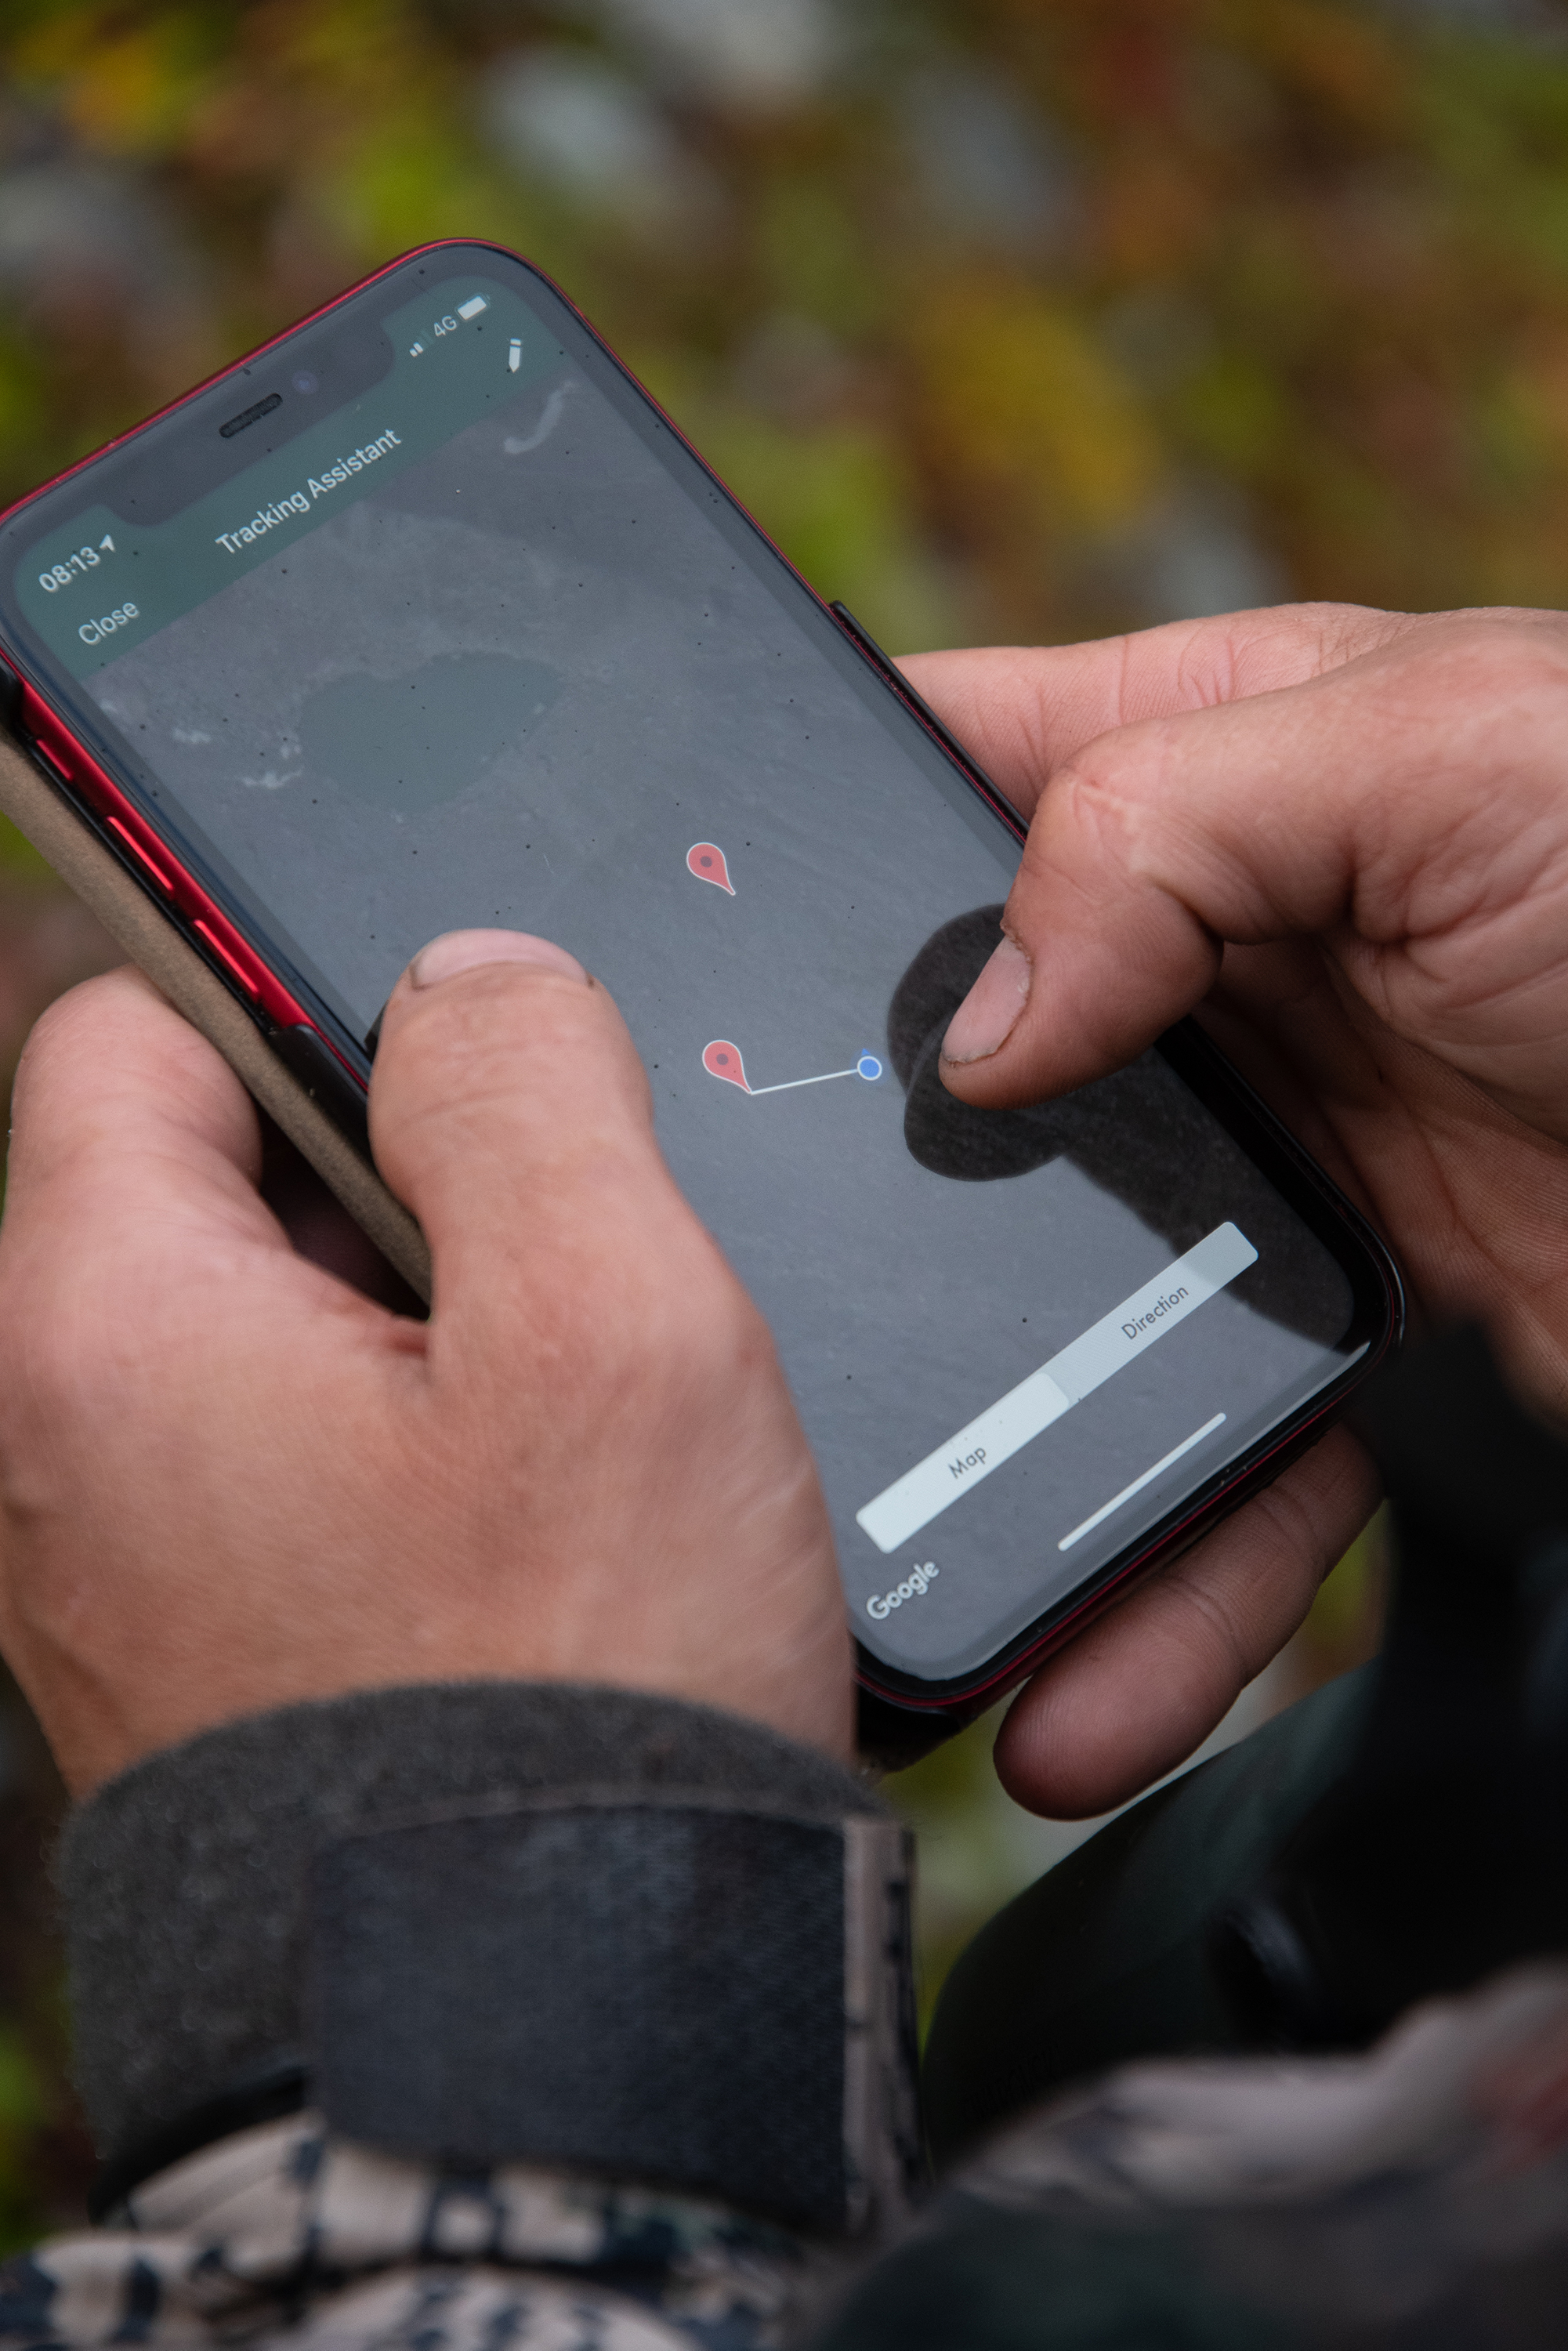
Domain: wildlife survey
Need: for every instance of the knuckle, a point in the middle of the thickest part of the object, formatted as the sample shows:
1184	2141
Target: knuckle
1338	631
1119	773
1104	801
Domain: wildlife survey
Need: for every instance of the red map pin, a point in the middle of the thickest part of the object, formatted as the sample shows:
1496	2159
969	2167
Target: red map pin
722	1059
707	862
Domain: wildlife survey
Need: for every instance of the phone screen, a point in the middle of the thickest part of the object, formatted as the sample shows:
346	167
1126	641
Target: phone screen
484	646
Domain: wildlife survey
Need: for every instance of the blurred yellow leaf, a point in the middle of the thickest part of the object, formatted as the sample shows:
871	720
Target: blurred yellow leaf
1233	412
1029	414
127	89
403	181
813	250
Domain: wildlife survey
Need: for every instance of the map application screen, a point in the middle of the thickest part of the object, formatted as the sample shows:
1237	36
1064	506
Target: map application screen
485	646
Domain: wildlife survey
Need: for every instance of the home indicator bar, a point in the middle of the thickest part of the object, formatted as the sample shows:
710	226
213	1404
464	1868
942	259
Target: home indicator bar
956	1467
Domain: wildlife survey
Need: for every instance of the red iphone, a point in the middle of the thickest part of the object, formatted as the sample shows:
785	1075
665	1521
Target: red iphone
425	616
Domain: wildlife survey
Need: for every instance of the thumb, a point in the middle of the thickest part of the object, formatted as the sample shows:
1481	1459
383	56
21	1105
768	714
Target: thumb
1151	848
605	1412
511	1113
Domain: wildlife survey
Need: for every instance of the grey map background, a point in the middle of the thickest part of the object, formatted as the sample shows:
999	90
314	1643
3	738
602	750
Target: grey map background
515	685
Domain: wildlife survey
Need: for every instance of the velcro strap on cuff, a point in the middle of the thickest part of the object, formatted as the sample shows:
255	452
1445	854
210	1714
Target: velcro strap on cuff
667	1989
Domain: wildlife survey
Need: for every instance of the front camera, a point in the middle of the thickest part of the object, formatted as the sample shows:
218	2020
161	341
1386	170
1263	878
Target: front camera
306	381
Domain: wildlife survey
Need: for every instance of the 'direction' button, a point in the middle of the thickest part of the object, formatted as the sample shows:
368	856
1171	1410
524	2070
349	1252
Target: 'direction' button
1151	1312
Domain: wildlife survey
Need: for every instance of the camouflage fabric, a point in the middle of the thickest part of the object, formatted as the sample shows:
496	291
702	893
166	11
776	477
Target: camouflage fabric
1413	2196
282	2228
1416	2194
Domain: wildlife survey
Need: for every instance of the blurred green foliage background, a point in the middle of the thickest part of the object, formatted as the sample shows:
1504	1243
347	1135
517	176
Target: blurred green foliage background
1020	320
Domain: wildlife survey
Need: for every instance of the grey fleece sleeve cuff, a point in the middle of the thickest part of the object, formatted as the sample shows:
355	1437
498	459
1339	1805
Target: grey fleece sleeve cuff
510	1922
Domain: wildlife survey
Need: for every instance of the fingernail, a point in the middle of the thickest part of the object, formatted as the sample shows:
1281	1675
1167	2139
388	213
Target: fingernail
987	1017
445	958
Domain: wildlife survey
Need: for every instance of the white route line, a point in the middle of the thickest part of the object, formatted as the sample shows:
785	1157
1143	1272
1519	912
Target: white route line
790	1082
1138	1483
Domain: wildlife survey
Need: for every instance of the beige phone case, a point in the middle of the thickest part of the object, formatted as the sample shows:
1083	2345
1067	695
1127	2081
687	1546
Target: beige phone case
151	941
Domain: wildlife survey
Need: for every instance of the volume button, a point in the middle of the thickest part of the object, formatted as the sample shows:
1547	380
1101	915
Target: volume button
57	766
137	851
251	987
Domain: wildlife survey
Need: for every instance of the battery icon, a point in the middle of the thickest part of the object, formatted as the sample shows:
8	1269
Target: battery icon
472	307
515	354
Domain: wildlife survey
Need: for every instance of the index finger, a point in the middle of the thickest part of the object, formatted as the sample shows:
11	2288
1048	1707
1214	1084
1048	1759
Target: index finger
1137	1691
134	1157
1023	710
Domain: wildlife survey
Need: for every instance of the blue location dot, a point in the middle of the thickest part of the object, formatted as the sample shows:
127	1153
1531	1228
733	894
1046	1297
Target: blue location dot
869	1066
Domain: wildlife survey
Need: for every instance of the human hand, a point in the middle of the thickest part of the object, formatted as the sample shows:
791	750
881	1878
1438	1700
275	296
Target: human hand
228	1480
1343	833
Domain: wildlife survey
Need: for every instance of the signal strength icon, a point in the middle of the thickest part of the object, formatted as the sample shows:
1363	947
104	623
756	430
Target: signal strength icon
415	350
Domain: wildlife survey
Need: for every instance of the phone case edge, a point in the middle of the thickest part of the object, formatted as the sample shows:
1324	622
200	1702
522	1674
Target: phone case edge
176	968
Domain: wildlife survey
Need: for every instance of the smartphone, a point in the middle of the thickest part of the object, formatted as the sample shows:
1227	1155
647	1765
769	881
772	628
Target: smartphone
426	616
